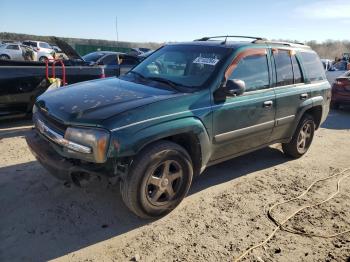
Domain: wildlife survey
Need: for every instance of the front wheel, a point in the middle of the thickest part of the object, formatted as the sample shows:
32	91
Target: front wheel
302	138
159	178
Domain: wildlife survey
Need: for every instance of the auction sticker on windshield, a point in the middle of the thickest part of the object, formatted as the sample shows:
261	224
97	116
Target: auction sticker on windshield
206	61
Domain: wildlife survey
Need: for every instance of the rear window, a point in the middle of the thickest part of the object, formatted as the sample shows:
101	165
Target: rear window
93	57
33	44
12	47
313	66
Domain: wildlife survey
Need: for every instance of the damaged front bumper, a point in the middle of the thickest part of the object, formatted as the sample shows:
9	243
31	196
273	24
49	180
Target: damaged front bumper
69	170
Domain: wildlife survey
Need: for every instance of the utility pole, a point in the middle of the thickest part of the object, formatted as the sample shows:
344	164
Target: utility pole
116	29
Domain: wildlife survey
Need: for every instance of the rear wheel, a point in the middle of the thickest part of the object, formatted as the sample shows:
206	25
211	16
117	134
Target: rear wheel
158	180
4	57
302	138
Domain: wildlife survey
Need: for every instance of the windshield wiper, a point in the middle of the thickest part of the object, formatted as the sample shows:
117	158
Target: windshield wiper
166	81
173	84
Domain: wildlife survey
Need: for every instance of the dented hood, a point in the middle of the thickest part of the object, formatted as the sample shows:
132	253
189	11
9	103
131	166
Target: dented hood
91	102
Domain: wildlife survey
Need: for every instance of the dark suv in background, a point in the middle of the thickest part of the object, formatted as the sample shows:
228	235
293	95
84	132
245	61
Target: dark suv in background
185	107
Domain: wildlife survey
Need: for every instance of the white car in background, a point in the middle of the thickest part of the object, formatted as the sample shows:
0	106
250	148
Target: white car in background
43	49
15	51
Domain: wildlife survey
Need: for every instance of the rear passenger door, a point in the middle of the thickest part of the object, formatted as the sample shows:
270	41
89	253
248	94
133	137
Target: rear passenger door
245	122
291	91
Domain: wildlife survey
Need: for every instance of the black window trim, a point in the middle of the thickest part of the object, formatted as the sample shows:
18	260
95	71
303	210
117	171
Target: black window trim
301	70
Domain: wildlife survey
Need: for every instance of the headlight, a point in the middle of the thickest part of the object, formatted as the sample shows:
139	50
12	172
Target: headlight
89	144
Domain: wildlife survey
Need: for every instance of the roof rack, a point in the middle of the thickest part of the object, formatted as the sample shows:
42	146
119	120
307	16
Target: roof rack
258	41
230	36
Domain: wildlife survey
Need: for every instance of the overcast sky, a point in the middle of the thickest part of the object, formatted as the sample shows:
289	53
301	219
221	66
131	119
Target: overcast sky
178	20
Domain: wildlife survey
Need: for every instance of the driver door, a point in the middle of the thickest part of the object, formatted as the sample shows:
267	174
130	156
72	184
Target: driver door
245	122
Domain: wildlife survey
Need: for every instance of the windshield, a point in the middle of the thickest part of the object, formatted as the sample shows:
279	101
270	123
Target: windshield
93	57
185	65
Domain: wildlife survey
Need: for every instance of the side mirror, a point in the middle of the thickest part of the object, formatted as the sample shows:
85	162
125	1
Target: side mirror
234	87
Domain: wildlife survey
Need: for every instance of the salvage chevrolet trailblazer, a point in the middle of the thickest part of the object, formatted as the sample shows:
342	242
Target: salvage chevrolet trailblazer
185	107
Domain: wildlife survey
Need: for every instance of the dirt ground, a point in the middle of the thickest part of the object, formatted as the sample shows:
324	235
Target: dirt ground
223	215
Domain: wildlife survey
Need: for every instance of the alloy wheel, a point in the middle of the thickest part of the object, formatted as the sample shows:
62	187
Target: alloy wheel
164	182
304	138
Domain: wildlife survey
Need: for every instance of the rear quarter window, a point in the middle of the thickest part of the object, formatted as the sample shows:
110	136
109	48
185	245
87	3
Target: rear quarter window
313	66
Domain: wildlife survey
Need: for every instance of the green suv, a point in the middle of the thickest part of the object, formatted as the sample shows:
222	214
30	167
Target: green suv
184	108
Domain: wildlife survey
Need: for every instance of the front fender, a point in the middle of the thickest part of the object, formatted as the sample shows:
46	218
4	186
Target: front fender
130	145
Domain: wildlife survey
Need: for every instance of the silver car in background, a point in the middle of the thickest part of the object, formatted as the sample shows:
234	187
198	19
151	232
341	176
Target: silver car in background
15	51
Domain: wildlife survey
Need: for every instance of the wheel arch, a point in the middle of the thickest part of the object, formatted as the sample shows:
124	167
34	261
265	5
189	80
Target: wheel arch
316	113
189	132
312	106
3	54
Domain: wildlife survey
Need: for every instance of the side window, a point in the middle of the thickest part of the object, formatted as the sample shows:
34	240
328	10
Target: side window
110	60
284	68
12	47
298	78
129	60
342	65
253	70
313	66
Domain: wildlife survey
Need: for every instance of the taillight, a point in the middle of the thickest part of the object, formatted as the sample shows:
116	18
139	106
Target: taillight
102	75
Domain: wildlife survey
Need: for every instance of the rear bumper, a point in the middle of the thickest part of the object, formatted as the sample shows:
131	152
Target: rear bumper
60	167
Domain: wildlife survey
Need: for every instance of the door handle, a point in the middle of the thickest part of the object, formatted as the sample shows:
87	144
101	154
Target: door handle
304	96
268	103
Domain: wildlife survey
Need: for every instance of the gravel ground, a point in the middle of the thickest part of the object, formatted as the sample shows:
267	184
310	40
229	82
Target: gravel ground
224	214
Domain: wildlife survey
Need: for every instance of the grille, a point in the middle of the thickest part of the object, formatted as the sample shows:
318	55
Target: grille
56	125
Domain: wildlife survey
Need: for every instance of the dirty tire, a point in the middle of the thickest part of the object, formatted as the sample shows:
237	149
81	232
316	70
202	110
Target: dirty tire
305	130
158	180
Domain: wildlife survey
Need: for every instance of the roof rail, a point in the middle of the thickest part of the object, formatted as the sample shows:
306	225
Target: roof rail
230	36
258	41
